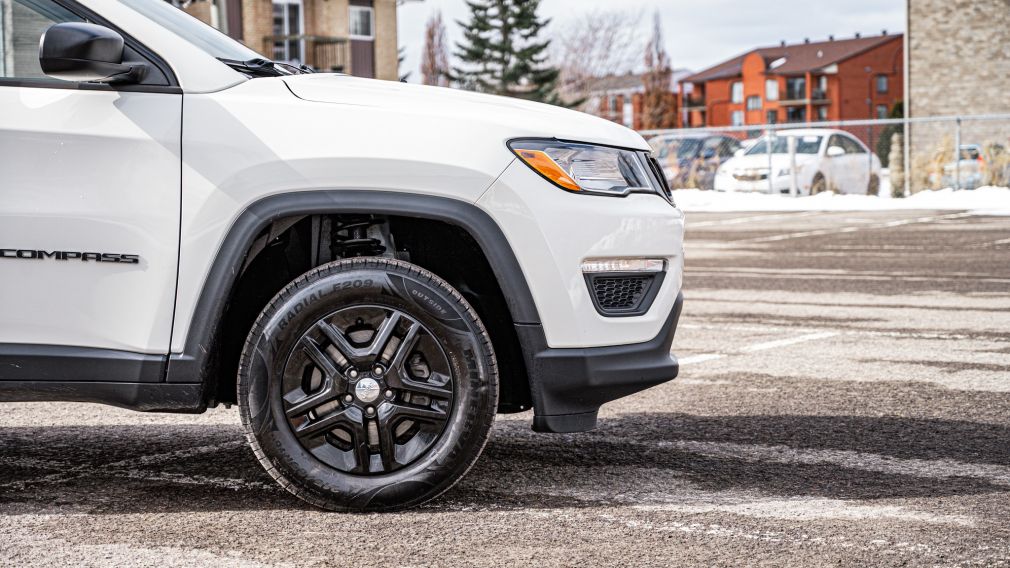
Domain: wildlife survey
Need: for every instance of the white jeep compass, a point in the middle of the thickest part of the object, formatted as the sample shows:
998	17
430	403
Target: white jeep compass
370	270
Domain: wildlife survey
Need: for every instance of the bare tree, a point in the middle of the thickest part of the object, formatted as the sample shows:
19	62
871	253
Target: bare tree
595	45
658	106
435	59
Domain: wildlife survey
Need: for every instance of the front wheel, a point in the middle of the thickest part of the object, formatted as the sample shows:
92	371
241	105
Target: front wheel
367	385
819	185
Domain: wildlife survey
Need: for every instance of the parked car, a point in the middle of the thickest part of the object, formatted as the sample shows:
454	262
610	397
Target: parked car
826	160
968	172
188	225
691	160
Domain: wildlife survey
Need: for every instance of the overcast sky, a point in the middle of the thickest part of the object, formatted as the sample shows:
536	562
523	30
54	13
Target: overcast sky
698	34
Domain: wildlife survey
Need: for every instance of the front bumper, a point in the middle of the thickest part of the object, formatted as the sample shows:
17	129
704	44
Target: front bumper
570	385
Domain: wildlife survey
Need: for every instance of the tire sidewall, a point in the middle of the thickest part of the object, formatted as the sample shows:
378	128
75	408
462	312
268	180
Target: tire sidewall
389	284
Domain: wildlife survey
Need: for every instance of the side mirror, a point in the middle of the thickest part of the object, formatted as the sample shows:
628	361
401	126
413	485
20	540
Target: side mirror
76	51
835	151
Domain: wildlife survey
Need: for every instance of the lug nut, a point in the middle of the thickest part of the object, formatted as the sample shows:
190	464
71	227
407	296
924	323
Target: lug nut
369	411
378	371
353	373
389	393
348	399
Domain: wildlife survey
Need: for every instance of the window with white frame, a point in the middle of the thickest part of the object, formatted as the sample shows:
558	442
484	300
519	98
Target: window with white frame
362	22
772	89
737	92
737	118
288	27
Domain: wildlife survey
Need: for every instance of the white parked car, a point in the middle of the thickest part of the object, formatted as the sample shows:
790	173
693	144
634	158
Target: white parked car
184	224
825	160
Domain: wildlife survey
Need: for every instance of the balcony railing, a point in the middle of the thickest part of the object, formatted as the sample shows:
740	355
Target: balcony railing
694	102
322	53
799	96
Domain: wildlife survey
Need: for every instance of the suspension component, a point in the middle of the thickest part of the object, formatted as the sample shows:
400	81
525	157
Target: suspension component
351	237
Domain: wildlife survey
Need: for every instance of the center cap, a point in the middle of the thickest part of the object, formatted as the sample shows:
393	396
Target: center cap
367	390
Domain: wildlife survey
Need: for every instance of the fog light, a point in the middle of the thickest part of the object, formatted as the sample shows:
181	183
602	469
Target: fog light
596	266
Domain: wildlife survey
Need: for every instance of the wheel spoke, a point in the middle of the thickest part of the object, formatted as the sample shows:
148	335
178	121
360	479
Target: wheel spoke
425	388
309	402
387	443
311	348
347	417
417	413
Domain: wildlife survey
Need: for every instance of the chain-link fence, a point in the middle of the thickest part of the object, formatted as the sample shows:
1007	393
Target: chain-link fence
889	157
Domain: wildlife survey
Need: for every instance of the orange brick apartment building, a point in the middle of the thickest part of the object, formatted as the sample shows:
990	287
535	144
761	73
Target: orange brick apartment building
843	79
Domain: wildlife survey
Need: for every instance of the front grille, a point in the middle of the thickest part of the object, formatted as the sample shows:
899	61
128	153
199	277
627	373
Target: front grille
623	294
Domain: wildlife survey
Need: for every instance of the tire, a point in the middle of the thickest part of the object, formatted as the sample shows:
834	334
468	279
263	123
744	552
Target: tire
873	188
819	185
403	426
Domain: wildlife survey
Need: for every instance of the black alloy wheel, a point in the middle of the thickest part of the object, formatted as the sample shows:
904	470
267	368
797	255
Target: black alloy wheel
368	384
367	390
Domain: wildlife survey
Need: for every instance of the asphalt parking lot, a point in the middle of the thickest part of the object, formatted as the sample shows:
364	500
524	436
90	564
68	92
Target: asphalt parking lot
844	399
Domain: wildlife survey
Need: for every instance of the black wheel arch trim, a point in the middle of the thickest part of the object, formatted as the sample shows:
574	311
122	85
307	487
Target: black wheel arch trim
194	364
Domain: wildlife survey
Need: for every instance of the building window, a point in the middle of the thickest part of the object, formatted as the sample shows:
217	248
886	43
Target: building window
822	112
771	89
737	118
771	117
288	46
753	102
796	114
881	84
796	88
362	22
737	92
881	111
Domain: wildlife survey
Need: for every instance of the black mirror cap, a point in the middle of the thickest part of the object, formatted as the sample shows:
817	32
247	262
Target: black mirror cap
78	51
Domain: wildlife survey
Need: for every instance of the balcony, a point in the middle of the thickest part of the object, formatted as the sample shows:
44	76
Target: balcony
795	97
322	53
696	102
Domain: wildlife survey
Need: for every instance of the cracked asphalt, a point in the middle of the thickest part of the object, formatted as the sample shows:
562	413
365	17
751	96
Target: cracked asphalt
844	399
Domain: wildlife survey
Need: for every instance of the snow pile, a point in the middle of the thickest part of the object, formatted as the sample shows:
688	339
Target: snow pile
985	200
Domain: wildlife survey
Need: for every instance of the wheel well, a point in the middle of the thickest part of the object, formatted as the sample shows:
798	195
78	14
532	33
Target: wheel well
292	246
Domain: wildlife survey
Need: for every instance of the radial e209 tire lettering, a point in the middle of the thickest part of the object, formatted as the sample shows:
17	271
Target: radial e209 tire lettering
367	384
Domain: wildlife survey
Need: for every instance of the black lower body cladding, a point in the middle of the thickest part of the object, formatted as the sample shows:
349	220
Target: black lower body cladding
570	385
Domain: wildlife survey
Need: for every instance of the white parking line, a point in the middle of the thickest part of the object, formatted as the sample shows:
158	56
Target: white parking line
751	219
787	342
705	357
855	228
694	359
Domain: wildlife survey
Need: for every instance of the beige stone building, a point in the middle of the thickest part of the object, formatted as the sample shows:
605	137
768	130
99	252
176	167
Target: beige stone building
350	36
958	65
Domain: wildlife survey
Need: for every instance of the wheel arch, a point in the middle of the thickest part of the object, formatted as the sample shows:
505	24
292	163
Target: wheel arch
198	361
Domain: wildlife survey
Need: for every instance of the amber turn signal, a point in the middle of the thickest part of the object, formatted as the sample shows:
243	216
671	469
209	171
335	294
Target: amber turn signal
547	167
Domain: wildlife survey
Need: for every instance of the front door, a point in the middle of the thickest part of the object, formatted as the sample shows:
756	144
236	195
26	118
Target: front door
89	216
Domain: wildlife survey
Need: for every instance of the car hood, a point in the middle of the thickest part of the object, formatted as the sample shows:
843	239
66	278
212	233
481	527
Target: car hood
490	115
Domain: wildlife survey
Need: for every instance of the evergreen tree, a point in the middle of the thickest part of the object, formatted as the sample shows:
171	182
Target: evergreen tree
502	53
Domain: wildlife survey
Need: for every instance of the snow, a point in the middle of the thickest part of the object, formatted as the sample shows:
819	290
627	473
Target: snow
982	201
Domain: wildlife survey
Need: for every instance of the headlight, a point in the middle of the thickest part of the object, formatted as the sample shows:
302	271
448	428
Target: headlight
584	168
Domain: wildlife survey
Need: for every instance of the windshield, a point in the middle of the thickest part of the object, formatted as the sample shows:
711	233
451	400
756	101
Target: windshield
204	37
683	148
780	145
